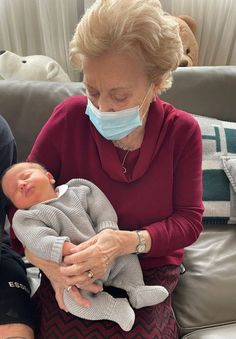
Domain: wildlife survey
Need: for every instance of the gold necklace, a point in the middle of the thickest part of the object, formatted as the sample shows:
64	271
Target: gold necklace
124	148
123	162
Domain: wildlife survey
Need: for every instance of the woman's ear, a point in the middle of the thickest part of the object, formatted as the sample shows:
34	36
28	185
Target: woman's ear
156	90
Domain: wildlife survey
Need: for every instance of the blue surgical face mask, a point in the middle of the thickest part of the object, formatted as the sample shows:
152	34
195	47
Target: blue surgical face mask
115	125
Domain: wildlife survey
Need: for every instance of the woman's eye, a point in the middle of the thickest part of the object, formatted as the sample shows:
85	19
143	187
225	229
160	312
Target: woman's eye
93	94
120	98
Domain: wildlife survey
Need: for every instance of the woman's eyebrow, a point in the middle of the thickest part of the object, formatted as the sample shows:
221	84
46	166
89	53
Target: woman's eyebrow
112	89
87	85
120	89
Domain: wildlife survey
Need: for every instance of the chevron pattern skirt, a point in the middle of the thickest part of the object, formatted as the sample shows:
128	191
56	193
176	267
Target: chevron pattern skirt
155	322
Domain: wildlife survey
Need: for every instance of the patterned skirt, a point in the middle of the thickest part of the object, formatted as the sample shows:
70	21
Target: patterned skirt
155	322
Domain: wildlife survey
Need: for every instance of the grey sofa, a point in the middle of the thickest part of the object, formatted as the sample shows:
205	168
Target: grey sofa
204	301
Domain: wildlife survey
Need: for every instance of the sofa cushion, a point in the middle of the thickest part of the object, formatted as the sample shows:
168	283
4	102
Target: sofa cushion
218	332
206	295
219	141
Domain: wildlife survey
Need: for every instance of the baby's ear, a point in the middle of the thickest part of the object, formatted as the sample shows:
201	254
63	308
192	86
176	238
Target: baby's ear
50	177
52	181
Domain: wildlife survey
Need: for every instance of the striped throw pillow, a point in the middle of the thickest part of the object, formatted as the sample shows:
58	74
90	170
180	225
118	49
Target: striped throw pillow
219	170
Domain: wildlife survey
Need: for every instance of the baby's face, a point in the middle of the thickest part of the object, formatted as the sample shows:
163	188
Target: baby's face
26	185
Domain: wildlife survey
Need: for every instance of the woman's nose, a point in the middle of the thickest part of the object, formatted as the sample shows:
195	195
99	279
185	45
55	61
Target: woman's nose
104	105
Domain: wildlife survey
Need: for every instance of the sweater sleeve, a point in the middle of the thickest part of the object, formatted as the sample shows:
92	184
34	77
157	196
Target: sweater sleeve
97	205
184	225
36	236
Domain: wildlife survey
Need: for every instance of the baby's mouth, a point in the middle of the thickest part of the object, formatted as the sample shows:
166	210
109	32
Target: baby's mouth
28	190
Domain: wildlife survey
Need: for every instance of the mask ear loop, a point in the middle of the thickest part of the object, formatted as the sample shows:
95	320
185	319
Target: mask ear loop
140	107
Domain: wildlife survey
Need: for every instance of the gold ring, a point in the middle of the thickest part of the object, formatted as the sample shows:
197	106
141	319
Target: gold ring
69	288
90	274
106	259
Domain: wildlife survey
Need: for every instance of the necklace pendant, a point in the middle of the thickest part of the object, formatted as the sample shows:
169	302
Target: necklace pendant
124	169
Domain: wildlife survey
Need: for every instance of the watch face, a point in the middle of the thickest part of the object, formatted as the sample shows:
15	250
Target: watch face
141	248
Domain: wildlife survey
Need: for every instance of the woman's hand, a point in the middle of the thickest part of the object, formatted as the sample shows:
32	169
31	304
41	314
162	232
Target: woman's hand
59	281
89	260
75	294
50	269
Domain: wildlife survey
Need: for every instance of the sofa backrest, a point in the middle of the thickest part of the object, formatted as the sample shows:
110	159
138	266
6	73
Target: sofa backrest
207	91
27	105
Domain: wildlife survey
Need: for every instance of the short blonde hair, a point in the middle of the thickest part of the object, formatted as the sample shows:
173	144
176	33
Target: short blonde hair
137	27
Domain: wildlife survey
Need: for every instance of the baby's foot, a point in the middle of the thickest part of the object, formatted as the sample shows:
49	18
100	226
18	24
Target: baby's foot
142	296
123	314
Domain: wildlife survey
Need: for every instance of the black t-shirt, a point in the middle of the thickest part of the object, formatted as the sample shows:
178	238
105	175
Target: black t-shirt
7	158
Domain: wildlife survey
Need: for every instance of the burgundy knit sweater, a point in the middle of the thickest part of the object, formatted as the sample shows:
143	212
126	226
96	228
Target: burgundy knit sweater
162	188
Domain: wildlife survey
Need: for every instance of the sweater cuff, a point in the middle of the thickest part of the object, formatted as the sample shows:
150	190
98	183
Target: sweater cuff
155	233
56	254
107	224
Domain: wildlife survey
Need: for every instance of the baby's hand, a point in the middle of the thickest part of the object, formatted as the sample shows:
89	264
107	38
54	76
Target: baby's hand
67	247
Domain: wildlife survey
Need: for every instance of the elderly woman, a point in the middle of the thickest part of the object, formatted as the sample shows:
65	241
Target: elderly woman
144	154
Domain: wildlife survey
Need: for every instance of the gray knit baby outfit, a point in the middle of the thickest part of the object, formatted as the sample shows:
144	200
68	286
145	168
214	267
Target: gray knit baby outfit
79	212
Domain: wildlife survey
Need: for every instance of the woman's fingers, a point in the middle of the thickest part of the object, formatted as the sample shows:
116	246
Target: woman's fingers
84	273
81	254
83	245
59	297
75	294
90	259
75	274
81	280
79	299
92	287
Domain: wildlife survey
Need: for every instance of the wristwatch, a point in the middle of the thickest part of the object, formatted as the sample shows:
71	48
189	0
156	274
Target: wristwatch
141	247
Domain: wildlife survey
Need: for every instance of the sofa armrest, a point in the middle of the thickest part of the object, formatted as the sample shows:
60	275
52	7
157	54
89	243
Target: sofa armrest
219	332
205	295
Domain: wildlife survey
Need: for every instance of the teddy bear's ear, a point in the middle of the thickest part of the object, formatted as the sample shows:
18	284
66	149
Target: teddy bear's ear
52	70
190	21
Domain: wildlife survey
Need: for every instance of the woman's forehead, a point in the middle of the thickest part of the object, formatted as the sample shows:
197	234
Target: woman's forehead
119	70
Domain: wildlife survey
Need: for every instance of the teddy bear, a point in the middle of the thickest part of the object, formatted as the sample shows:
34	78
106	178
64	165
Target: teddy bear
187	30
32	67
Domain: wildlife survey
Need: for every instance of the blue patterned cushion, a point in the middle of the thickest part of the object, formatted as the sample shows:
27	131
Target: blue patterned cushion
219	169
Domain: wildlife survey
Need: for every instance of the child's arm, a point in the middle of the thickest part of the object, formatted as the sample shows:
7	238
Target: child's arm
42	240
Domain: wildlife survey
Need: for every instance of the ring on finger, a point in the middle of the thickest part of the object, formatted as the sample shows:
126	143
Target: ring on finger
106	259
69	288
90	274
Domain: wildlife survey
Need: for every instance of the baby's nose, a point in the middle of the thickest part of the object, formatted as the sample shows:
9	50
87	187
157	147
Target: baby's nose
21	185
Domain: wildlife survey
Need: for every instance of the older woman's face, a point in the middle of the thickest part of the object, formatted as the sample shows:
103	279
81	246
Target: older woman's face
115	82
